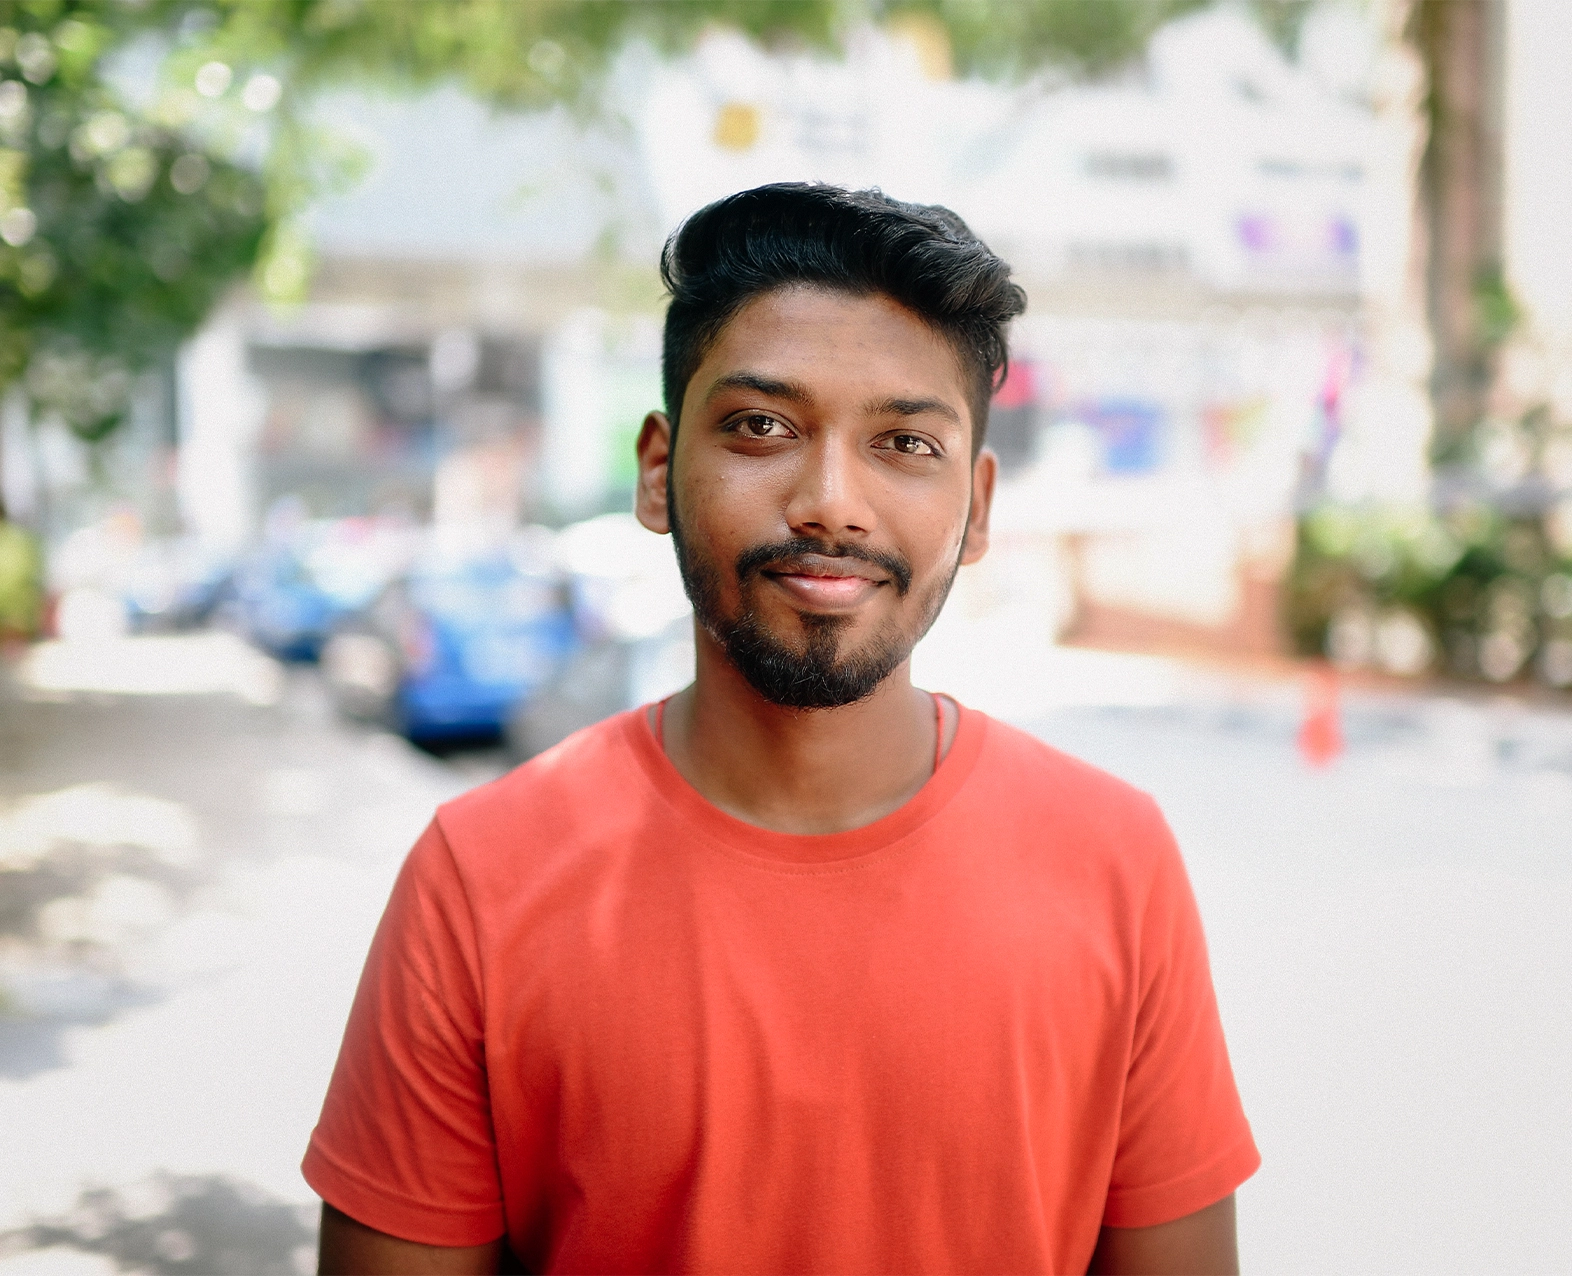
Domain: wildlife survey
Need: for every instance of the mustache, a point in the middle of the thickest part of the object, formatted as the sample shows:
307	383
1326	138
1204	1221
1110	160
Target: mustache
752	561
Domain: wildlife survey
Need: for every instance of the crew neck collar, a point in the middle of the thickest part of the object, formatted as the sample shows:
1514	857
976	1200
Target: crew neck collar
806	850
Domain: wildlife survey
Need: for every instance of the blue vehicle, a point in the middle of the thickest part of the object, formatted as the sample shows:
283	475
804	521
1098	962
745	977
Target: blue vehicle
291	592
174	584
631	609
280	607
449	650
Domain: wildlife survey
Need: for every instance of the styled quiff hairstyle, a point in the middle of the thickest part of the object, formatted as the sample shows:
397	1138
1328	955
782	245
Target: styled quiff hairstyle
859	242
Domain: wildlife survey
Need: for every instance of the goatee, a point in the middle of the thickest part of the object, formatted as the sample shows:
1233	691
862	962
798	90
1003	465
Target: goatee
816	674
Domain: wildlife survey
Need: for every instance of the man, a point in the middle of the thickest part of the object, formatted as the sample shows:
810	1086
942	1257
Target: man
804	970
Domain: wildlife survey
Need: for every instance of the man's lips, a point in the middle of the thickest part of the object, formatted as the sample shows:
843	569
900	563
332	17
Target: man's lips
826	581
825	567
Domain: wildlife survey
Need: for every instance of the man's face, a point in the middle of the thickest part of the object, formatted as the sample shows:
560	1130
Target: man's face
822	492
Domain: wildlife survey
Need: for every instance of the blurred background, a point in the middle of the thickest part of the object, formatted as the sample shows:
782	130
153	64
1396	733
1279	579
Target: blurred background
326	329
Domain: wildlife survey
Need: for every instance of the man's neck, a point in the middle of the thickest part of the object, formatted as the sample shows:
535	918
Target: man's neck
799	770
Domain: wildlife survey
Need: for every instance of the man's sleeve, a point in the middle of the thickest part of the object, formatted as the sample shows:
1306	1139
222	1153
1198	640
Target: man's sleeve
1184	1142
405	1143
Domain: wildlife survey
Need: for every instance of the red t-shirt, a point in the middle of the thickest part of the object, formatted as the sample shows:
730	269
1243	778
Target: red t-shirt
637	1034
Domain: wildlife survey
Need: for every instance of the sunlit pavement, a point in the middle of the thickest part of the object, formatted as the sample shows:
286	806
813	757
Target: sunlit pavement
1387	934
227	859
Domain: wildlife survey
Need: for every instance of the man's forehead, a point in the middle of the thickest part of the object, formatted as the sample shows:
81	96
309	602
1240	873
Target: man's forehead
791	303
790	338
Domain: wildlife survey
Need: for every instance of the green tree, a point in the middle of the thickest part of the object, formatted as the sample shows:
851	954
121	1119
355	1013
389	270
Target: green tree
119	228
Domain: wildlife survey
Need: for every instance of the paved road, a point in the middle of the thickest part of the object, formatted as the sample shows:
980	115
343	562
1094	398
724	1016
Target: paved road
1390	946
205	874
198	876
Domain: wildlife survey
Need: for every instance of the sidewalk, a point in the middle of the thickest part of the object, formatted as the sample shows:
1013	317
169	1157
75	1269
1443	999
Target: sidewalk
201	874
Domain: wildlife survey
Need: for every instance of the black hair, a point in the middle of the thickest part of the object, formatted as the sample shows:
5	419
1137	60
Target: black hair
860	242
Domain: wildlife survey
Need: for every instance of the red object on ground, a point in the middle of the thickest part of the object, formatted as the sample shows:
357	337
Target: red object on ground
1321	734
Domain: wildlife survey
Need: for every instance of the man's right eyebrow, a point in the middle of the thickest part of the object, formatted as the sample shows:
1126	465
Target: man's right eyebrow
790	391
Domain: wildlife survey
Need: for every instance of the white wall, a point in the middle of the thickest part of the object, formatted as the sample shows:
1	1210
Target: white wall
1538	189
220	413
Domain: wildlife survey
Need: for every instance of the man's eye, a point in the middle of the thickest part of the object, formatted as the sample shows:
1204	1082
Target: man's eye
911	445
759	426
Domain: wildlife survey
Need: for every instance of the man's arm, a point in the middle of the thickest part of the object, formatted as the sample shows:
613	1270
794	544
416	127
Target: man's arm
348	1248
1199	1244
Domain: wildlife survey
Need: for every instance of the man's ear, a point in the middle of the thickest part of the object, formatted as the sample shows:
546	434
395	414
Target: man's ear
654	451
985	473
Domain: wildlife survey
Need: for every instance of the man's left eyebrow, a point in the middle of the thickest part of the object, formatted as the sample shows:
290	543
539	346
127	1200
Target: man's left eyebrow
913	407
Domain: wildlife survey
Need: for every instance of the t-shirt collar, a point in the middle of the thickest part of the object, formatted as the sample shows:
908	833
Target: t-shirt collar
824	849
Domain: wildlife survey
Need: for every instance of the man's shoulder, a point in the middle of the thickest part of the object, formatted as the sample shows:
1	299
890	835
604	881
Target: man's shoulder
1054	798
1037	771
587	780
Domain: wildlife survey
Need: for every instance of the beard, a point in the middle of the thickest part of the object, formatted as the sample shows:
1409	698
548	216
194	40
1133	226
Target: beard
816	673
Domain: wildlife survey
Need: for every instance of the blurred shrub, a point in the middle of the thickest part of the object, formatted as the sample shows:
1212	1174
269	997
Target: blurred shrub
1471	591
21	582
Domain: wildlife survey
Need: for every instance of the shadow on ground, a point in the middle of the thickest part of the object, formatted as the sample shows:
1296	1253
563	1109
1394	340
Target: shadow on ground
31	1043
181	1226
75	904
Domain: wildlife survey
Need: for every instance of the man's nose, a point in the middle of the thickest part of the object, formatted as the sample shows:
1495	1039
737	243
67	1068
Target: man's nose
829	494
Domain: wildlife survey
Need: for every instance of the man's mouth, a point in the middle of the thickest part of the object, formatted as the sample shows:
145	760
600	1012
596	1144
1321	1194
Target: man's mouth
820	580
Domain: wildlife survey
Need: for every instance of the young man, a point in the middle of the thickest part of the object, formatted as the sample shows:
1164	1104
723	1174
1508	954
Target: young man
804	970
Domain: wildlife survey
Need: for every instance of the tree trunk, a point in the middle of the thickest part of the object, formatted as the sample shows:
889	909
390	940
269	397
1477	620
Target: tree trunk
1460	42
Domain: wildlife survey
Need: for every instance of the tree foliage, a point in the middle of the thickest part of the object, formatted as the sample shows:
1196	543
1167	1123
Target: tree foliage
1003	40
120	227
126	213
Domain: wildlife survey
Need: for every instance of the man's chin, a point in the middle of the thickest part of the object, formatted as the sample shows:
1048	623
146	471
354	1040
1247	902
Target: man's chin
811	670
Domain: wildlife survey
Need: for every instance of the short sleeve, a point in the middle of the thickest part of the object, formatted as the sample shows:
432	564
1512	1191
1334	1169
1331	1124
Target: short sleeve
405	1142
1184	1142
